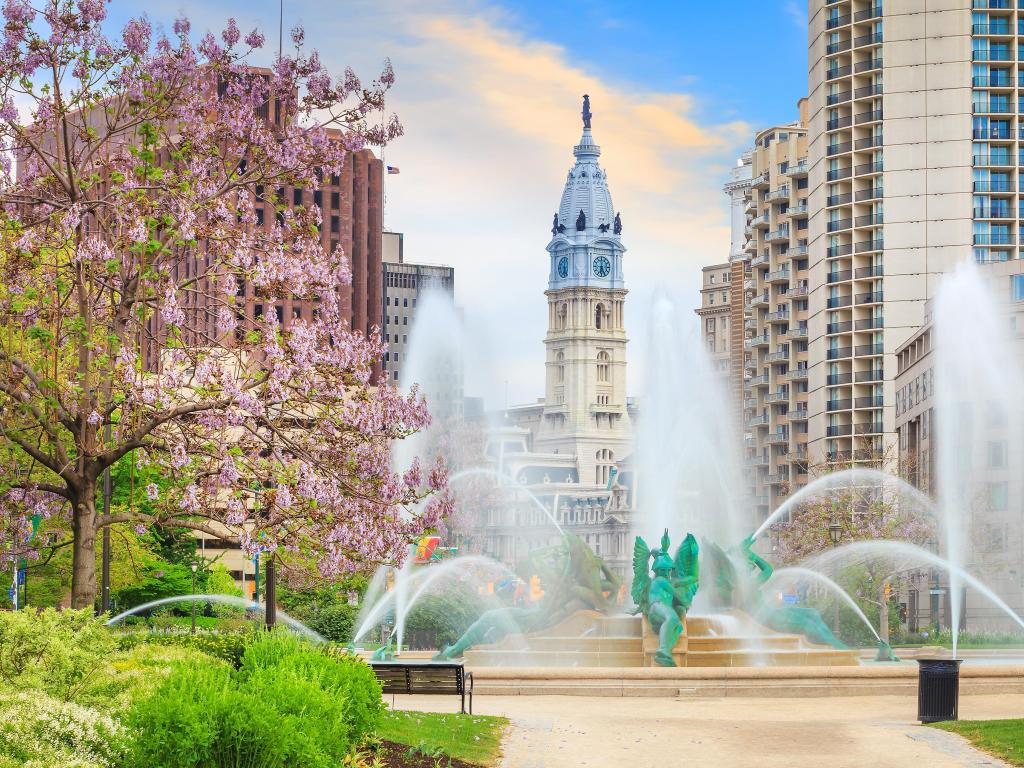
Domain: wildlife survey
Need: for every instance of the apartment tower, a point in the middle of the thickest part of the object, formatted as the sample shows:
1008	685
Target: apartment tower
904	182
775	293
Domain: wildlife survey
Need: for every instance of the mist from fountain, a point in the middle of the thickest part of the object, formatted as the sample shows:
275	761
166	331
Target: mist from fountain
420	579
512	486
901	557
796	573
687	455
240	602
894	487
977	385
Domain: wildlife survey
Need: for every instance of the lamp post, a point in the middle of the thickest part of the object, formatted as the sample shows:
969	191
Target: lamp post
835	533
194	567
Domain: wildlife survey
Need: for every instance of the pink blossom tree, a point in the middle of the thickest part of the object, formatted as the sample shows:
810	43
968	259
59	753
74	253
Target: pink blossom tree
129	226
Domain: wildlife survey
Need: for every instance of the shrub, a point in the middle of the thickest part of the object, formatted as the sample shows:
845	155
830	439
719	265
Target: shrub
54	651
44	732
287	704
334	622
226	646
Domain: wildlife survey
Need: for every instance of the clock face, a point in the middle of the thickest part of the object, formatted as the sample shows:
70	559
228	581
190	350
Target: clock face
602	266
563	267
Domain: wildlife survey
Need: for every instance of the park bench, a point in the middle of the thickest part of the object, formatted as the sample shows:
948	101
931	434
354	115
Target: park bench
425	677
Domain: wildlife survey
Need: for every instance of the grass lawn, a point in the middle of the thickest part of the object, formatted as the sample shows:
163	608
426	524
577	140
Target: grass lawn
475	739
1002	738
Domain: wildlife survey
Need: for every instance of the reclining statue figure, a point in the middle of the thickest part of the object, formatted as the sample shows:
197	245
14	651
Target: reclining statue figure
573	578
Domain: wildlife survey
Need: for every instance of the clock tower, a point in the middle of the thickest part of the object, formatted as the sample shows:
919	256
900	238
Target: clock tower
585	411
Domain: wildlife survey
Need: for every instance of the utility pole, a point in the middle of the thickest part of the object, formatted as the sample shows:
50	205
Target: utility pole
105	563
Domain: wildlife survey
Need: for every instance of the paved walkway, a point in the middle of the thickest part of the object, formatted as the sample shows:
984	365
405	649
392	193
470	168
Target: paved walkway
872	731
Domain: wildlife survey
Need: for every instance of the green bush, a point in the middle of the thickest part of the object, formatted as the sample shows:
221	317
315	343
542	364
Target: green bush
347	676
334	622
52	651
226	646
288	704
43	732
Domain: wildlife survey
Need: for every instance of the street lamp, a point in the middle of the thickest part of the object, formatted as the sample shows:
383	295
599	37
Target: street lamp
835	534
194	567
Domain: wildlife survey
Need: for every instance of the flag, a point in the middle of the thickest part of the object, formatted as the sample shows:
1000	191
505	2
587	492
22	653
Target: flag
393	170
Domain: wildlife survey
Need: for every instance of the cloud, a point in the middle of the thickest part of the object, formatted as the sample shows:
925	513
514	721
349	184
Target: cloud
797	13
491	116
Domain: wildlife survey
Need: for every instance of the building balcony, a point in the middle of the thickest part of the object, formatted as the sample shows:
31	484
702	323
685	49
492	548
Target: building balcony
875	38
868	220
871	193
1004	186
838	21
873	374
868	428
999	28
995	238
839	430
798	414
840	276
834	302
838	225
757	341
798	291
778	235
758	260
759	460
758	421
778	316
869	350
759	381
777	397
774	438
838	405
838	47
839	173
996	134
868	169
871	297
751	204
778	276
779	478
866	246
876	270
795	210
868	65
869	402
800	332
871	116
994	212
838	353
993	160
834	200
796	374
760	222
800	250
991	81
760	181
778	357
750	325
782	193
838	379
797	170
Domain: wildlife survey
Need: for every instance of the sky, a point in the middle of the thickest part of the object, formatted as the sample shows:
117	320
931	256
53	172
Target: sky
489	94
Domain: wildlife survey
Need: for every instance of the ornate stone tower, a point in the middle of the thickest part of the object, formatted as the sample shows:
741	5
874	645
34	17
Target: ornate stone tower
585	405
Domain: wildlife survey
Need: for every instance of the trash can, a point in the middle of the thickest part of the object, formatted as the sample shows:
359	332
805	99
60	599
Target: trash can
938	689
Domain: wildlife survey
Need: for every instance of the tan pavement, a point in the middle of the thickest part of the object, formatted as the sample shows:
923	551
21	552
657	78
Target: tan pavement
872	731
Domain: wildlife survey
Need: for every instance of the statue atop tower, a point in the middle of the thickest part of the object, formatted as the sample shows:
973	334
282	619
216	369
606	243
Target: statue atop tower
587	114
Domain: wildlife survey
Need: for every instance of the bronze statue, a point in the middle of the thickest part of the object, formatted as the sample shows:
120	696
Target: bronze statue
618	225
554	225
586	111
666	598
581	221
603	227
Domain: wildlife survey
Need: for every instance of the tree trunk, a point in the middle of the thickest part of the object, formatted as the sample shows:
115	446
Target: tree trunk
83	568
883	614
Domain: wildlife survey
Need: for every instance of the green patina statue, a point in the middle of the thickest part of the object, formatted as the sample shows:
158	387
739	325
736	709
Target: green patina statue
744	590
573	579
666	598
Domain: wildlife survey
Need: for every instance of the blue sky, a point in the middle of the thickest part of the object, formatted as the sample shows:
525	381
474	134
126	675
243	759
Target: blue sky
489	94
702	47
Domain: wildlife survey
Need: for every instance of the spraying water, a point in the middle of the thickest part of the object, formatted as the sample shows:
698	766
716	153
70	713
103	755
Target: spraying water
688	455
240	602
977	389
806	574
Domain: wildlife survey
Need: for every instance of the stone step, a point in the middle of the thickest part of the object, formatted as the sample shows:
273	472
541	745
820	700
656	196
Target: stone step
786	658
746	643
564	658
589	644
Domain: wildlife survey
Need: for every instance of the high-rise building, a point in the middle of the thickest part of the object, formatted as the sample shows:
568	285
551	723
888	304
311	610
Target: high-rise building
714	313
741	207
898	191
404	286
774	300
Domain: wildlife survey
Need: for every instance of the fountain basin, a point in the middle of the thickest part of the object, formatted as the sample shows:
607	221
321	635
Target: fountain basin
591	639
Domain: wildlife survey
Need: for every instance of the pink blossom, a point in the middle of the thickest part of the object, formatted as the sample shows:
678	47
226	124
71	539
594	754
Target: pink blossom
152	492
136	35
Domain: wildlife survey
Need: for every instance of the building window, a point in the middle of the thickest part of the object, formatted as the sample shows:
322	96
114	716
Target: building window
1017	287
998	500
603	364
605	461
559	367
598	316
996	454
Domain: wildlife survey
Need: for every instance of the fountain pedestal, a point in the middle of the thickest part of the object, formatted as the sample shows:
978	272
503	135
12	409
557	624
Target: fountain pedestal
592	639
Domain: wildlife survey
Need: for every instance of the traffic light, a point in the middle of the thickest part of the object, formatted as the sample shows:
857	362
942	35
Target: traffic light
536	593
